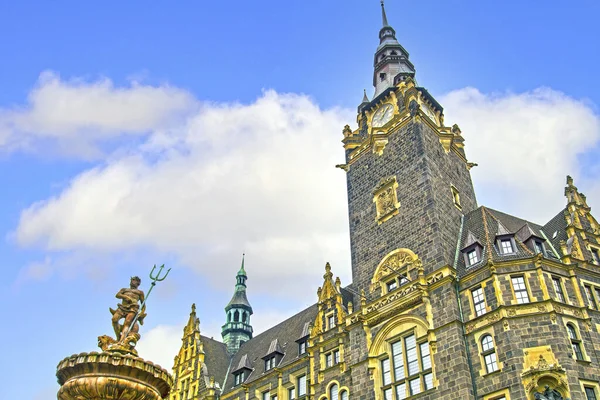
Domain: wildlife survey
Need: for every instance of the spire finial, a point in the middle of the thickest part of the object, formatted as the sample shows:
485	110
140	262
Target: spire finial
383	16
365	97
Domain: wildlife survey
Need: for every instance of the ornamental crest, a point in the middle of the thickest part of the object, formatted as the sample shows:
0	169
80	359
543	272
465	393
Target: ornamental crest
386	199
397	262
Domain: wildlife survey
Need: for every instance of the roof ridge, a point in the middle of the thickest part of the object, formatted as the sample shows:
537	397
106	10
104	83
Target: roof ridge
487	233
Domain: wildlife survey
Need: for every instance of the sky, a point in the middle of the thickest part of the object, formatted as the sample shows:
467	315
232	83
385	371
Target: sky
140	133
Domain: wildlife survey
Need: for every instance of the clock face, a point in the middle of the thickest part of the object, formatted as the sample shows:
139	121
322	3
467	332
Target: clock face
382	116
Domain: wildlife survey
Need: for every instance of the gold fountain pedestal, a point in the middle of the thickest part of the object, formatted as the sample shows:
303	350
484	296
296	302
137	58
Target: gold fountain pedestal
111	375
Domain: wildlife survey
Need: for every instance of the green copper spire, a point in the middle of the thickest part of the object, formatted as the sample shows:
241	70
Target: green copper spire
237	328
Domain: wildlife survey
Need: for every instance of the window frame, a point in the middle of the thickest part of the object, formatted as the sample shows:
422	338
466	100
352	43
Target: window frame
576	342
476	303
595	255
407	378
302	346
504	251
299	386
589	294
559	291
489	352
524	290
332	358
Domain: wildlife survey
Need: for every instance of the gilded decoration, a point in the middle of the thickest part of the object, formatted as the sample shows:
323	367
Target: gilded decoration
543	378
330	303
393	264
111	376
386	199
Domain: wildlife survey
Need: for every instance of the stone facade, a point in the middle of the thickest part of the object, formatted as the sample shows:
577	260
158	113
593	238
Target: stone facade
448	300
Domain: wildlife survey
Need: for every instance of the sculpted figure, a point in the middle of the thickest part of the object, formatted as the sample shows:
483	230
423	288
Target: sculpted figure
549	394
127	310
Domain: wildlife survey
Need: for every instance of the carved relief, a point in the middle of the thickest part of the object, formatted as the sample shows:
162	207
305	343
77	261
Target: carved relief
543	378
385	199
392	264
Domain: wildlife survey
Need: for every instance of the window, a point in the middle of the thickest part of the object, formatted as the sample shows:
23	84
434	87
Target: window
489	353
560	295
408	370
392	285
265	396
302	386
382	76
330	322
332	358
472	257
518	283
333	392
291	393
595	256
478	301
590	393
302	347
539	247
455	196
344	395
506	246
270	363
590	297
274	397
240	377
575	342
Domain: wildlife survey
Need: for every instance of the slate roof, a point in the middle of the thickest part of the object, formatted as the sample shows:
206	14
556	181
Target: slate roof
216	358
283	335
483	225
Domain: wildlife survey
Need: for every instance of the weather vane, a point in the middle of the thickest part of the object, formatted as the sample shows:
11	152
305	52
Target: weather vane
133	310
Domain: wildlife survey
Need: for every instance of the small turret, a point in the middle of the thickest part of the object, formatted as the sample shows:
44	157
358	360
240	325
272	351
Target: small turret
237	329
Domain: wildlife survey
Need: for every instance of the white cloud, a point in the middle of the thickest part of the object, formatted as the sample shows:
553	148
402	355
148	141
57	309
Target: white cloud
75	116
258	178
525	145
161	344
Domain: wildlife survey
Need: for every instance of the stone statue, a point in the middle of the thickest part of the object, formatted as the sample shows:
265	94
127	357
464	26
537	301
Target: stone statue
548	394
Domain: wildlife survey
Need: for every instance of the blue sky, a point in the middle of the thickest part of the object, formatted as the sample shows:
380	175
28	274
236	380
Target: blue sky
134	133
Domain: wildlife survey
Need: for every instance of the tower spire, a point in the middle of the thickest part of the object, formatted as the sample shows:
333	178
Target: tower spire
237	328
383	16
391	59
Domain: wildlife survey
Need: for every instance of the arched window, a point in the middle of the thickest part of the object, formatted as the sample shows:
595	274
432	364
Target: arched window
228	317
489	353
333	392
344	395
408	370
236	316
575	341
244	317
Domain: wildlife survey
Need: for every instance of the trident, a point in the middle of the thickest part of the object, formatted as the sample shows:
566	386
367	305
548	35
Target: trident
154	279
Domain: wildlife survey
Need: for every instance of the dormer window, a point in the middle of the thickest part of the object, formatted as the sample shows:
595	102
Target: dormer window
270	363
302	347
239	377
471	250
472	257
273	356
539	246
506	246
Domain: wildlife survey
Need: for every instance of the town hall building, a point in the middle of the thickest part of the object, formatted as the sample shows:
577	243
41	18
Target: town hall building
448	300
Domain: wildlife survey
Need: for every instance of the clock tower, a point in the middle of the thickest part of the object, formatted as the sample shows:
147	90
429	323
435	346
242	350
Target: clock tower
408	176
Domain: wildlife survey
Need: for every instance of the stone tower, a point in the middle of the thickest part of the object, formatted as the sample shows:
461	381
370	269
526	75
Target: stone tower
407	174
237	329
